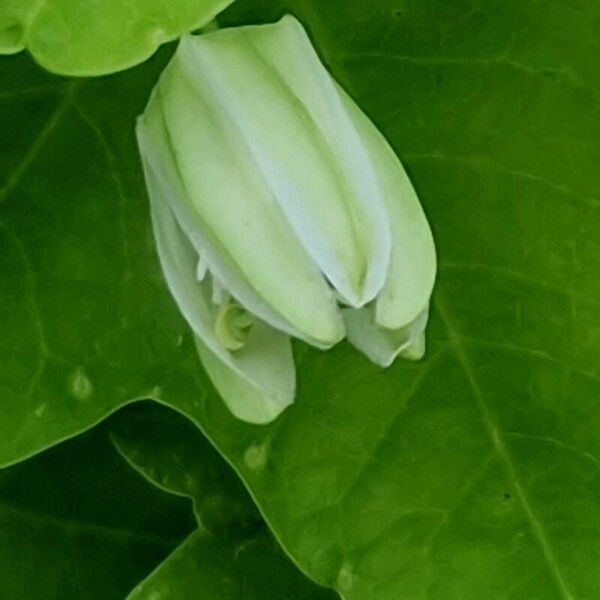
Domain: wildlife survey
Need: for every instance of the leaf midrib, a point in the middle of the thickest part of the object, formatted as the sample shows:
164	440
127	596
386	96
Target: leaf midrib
502	451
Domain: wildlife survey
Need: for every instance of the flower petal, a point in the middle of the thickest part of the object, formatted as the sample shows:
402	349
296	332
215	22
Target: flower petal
285	105
382	345
247	402
159	161
413	264
225	188
256	382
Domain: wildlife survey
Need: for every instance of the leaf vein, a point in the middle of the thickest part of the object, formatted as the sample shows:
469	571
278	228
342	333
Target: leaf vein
384	434
31	284
539	354
555	442
482	163
503	453
118	183
501	60
518	276
38	143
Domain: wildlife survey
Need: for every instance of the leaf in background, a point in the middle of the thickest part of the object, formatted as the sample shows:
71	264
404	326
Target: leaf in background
221	568
95	38
471	474
76	523
231	555
170	452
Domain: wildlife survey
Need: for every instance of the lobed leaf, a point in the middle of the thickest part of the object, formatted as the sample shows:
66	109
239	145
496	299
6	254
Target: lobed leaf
95	38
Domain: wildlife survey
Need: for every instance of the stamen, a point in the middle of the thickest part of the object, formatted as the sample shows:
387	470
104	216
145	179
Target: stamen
232	325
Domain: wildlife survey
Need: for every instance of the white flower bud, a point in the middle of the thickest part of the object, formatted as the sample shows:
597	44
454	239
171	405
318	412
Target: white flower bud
274	197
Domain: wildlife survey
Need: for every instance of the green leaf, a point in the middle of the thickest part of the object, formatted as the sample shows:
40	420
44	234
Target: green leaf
95	38
471	474
170	452
231	555
215	568
72	527
77	259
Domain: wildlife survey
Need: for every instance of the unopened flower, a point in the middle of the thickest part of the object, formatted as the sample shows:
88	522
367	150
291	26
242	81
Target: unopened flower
279	211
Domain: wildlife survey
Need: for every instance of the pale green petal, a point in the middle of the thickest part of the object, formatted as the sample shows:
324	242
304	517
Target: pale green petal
221	181
382	345
274	90
413	263
246	402
256	382
158	159
416	350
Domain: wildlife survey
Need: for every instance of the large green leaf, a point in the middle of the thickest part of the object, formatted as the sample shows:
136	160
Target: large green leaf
232	554
66	535
472	474
73	37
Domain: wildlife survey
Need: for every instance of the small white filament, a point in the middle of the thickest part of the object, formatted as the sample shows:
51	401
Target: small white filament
201	268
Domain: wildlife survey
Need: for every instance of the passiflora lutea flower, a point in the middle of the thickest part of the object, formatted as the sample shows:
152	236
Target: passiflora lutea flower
279	210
